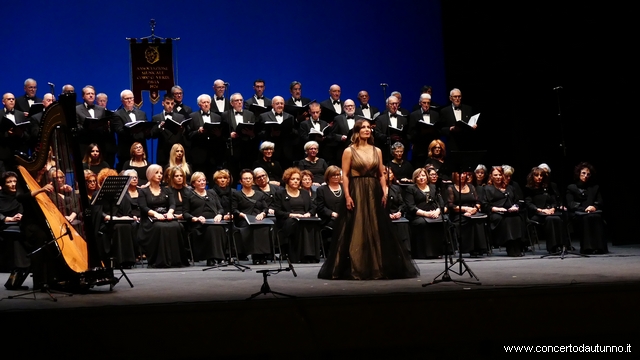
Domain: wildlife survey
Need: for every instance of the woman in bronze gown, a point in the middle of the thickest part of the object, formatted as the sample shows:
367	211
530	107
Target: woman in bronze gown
365	246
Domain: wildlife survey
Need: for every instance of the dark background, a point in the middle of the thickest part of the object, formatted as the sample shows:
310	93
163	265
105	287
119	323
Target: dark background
506	59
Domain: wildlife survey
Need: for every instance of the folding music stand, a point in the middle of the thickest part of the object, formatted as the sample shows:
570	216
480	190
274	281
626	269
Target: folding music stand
231	262
111	193
461	161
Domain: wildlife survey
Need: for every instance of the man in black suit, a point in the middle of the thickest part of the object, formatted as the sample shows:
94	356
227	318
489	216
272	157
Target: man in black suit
15	138
219	103
333	103
284	135
202	156
179	107
460	137
296	99
102	136
316	123
364	109
36	119
167	135
128	113
244	142
258	97
420	133
340	137
24	102
384	136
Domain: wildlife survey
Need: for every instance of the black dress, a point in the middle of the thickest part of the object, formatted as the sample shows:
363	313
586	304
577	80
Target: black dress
163	241
141	170
123	233
208	240
272	168
396	203
224	195
401	171
427	235
553	225
365	246
300	237
588	226
317	168
12	250
96	168
254	238
471	234
506	228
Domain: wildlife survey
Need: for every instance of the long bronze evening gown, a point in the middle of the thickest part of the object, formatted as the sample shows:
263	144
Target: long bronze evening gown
365	246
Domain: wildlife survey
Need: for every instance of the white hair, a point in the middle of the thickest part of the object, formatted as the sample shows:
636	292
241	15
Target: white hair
125	92
544	166
204	97
267	145
425	96
309	144
454	89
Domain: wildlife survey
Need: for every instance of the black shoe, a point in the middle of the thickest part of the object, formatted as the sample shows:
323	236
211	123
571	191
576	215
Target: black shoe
211	262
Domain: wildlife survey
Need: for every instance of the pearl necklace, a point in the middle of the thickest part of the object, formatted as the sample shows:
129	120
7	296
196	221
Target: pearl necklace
336	193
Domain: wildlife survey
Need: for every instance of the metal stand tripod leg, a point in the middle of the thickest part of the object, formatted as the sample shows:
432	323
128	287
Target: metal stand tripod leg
266	289
231	262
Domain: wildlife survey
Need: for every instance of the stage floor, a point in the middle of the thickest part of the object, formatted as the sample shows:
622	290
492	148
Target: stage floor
598	286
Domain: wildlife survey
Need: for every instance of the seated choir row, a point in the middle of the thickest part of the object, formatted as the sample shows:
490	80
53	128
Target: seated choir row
420	203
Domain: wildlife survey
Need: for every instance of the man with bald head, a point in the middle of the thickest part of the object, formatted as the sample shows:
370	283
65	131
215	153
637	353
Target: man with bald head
24	102
333	103
36	119
283	134
340	137
364	108
128	113
14	137
219	103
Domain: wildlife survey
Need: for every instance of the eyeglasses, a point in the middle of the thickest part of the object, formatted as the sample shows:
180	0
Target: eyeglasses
92	181
261	176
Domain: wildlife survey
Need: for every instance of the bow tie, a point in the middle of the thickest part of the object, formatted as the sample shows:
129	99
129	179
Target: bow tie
278	114
351	117
206	113
364	106
456	108
238	112
90	106
259	97
30	98
297	100
219	98
393	115
336	102
316	122
130	112
425	112
10	111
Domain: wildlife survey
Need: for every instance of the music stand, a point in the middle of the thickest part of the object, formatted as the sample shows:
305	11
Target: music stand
231	261
459	161
111	193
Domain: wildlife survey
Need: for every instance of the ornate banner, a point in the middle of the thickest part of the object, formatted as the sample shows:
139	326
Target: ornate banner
151	68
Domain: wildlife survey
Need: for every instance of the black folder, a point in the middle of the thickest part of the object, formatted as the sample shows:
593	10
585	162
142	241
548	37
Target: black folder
137	127
257	109
175	126
7	124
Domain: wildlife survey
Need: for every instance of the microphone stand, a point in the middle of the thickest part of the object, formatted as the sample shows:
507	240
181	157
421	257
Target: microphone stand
265	288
